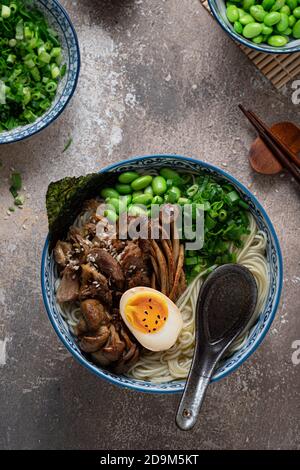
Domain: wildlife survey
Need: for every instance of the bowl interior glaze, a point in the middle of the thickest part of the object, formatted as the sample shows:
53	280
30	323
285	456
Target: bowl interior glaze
59	20
218	8
258	331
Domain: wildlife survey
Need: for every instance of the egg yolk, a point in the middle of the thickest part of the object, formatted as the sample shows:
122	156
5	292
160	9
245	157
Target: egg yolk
146	312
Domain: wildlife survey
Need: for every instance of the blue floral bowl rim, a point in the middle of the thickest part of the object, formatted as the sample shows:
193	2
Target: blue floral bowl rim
152	387
51	120
240	39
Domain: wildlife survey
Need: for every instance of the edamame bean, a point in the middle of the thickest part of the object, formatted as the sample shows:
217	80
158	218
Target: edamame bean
123	188
126	199
272	18
144	199
136	210
267	30
128	177
148	190
184	200
159	185
241	12
287	32
258	39
292	4
258	13
238	27
247	4
136	193
141	183
252	30
247	19
292	21
109	192
283	23
267	4
119	205
278	5
296	30
170	174
173	195
232	13
157	200
111	215
277	41
285	9
296	12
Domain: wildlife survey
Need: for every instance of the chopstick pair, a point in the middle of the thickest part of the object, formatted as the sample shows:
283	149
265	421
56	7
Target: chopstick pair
281	152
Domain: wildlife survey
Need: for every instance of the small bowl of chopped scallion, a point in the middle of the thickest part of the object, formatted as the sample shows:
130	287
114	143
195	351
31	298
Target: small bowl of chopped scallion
39	66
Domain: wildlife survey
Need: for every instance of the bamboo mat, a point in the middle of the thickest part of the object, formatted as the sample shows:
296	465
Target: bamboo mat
279	69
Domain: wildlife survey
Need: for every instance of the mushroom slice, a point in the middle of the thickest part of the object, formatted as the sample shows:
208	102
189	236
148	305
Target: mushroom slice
114	347
91	344
62	253
94	313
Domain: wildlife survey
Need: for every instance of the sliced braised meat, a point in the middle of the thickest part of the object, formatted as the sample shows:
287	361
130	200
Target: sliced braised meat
68	290
93	343
94	285
94	313
80	244
130	354
135	266
114	347
62	253
108	266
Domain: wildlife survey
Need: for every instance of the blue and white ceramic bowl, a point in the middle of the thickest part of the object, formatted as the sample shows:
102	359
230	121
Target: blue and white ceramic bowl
59	20
218	8
257	333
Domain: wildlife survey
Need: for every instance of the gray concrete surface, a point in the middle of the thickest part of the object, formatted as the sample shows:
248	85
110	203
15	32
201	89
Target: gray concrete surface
157	76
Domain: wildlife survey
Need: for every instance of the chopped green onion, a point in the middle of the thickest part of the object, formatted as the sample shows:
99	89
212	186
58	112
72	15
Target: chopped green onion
5	11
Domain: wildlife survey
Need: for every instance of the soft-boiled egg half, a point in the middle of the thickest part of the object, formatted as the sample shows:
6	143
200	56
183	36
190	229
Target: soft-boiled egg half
151	317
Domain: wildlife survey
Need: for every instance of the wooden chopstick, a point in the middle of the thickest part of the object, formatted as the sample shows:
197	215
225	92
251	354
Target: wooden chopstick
285	149
276	150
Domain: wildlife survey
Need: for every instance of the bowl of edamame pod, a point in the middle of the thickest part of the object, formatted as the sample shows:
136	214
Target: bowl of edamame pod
270	26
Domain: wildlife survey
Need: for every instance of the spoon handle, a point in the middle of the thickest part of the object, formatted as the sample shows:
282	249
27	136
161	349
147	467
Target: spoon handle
195	389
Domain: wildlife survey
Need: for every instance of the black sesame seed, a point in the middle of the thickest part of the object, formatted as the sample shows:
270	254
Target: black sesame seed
146	326
144	319
165	318
149	331
154	329
146	313
156	322
158	316
150	307
150	300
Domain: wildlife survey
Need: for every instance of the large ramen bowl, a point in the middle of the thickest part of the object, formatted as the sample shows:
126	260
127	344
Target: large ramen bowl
59	20
258	331
218	8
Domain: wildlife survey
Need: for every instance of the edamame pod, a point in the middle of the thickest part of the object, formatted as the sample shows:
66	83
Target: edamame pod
141	183
128	177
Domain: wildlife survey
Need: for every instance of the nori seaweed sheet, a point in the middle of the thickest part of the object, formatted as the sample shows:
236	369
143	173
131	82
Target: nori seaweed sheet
65	198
